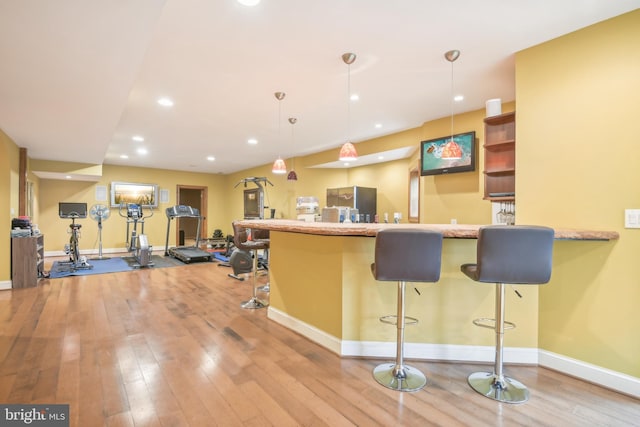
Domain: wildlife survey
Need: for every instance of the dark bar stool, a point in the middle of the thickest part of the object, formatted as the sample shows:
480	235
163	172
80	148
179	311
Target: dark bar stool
515	254
263	236
240	238
405	255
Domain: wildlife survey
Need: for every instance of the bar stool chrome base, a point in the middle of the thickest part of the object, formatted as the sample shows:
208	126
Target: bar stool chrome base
505	390
253	303
264	288
399	378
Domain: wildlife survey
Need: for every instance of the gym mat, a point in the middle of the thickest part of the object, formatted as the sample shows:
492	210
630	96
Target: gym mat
109	265
220	257
100	266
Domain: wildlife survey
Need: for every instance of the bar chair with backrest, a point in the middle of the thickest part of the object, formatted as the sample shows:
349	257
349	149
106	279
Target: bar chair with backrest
404	255
513	254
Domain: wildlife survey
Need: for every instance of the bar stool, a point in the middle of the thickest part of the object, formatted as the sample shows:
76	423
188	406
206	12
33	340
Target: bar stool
240	239
516	254
263	236
405	255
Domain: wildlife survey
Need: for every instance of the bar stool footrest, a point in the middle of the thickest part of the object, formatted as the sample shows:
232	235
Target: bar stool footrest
485	322
392	319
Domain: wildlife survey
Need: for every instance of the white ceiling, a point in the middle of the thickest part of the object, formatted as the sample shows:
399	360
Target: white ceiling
79	78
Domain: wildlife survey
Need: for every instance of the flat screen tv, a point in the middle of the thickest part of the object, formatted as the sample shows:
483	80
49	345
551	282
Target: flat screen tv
72	210
439	156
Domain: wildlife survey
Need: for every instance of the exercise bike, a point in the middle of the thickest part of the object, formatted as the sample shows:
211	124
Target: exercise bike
137	244
74	211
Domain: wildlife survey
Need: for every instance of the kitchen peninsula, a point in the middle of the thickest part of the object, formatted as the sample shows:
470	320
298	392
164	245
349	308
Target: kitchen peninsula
322	287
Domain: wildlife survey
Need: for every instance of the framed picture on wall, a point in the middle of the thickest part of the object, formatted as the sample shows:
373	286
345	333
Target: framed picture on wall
123	193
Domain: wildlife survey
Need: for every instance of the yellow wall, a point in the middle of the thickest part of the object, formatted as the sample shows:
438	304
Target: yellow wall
9	165
578	163
114	228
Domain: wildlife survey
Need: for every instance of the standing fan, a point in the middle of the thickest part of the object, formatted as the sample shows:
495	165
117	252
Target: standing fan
99	213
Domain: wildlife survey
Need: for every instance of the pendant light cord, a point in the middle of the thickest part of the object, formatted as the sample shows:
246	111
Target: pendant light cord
451	100
348	102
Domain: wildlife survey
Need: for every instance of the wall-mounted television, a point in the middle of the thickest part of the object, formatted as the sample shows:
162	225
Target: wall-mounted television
439	156
72	210
123	193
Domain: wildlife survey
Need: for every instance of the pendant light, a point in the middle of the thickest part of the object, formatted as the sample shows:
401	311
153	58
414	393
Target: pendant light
451	150
292	176
348	151
279	167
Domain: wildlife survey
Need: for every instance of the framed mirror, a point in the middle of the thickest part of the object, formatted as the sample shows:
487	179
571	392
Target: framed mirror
414	195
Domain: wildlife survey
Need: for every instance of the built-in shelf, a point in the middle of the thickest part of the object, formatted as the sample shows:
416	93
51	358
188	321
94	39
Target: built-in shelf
499	157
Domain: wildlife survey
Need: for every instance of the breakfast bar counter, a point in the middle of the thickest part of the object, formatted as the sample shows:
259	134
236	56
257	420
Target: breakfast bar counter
456	231
322	287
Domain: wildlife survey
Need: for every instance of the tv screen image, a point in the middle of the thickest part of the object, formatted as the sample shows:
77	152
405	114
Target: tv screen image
72	210
441	155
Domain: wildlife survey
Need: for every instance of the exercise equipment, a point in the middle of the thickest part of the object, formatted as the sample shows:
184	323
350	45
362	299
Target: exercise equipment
99	213
186	254
254	197
241	262
74	211
137	244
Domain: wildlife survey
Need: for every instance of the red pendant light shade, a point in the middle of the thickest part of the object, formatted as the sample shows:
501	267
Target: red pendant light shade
279	167
348	153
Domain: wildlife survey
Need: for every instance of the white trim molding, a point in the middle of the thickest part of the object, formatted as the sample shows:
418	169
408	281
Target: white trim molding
605	377
462	353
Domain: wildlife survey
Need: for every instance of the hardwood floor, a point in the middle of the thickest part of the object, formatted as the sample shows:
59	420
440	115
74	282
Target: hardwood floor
172	347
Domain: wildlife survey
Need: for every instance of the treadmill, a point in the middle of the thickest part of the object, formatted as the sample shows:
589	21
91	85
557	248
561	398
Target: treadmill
186	254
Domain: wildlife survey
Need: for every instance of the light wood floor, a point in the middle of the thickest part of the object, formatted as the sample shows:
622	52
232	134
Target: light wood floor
172	347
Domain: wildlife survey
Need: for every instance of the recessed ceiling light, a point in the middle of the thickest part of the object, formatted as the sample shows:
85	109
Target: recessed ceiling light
124	156
211	158
458	98
354	97
380	157
165	102
68	176
346	164
252	141
137	138
378	125
142	151
248	2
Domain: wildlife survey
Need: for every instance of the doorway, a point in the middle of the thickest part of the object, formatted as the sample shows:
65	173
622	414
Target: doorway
186	228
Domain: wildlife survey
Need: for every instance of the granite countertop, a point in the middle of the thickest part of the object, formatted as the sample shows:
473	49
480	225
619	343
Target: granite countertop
450	231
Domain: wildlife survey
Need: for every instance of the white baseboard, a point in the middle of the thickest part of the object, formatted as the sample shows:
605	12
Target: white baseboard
463	353
445	352
595	374
314	334
5	284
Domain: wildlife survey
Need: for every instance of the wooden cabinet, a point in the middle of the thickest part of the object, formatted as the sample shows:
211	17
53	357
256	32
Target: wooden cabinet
500	157
27	260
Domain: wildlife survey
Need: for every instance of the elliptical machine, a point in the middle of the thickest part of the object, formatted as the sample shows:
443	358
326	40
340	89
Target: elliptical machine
137	244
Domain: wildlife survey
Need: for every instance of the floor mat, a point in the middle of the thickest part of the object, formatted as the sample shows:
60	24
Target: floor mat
109	265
